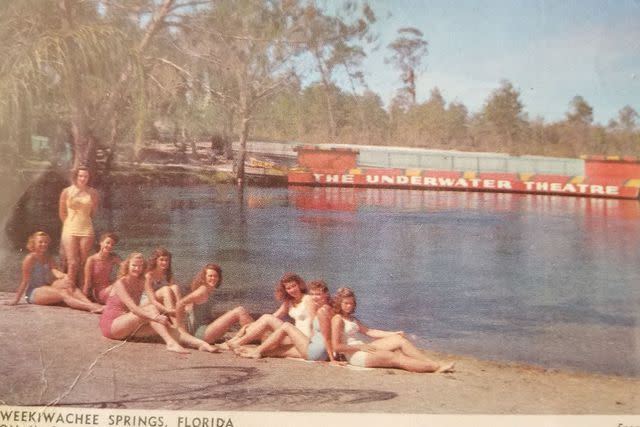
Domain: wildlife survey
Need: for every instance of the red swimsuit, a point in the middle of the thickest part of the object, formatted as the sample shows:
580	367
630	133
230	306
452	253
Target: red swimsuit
115	308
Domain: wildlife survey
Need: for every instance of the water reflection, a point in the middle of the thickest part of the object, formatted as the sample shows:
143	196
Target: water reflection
543	279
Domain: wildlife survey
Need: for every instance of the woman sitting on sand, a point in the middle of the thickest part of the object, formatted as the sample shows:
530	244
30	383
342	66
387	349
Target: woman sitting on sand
200	300
123	317
98	268
387	350
158	284
316	347
292	292
43	283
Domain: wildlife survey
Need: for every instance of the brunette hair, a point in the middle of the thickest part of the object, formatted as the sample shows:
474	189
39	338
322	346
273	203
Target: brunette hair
76	171
281	292
200	279
124	265
153	261
31	241
110	235
341	294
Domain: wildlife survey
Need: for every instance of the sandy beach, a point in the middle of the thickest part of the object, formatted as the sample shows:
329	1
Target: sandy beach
55	355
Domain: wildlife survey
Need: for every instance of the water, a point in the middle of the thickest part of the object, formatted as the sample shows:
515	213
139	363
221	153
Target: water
546	280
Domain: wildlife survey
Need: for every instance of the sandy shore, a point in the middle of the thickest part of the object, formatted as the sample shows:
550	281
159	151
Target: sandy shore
57	355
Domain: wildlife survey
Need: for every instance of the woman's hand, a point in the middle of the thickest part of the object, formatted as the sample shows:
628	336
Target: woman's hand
162	319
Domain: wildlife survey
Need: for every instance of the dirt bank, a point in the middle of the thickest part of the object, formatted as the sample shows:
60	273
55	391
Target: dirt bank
57	355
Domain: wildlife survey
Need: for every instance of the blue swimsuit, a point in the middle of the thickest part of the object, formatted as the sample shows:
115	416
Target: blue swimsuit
40	276
316	349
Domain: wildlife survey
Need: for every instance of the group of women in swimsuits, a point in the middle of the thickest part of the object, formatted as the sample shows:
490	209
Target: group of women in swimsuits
145	301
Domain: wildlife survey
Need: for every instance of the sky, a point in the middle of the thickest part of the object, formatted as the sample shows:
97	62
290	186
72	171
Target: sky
549	50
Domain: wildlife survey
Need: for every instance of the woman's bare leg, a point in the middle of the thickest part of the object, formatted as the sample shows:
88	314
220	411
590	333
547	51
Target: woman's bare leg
392	359
72	252
48	295
189	340
270	346
398	342
166	297
266	323
218	327
85	245
130	324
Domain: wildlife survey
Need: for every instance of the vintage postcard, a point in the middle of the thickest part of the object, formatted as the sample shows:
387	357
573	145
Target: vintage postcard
224	213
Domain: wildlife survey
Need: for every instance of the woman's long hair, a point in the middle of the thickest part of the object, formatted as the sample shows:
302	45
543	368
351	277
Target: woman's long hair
201	277
281	292
341	294
153	261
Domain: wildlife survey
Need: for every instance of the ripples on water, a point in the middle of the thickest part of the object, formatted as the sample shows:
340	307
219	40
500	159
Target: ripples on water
541	279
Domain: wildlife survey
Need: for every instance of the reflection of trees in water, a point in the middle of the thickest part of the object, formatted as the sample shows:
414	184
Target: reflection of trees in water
37	209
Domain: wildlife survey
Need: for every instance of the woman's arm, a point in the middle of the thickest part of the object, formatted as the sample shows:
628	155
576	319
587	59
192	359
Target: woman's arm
375	333
181	305
27	266
120	288
62	205
57	274
282	310
337	330
151	293
324	319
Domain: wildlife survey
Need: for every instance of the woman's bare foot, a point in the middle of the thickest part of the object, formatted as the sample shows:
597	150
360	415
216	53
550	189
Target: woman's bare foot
241	332
97	308
177	348
209	348
250	353
446	368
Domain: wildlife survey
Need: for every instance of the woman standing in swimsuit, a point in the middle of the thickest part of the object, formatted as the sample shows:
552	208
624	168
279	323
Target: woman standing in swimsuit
158	285
43	284
98	268
123	317
318	347
292	292
387	350
77	207
200	300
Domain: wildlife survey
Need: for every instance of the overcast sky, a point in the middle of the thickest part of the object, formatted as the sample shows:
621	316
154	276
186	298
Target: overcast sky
550	51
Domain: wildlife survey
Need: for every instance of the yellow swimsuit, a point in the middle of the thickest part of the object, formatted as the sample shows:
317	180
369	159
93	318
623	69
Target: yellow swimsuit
78	221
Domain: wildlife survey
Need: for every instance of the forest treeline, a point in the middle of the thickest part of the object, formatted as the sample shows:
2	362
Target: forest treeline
111	75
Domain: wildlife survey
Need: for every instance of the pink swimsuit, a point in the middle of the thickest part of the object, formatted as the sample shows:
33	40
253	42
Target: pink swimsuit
100	275
115	308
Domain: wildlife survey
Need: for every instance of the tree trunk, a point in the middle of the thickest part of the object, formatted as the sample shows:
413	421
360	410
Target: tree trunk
242	149
324	73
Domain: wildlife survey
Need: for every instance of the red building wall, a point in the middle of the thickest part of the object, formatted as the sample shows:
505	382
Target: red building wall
327	160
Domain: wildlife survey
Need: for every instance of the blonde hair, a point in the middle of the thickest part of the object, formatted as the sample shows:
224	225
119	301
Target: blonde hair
31	242
124	266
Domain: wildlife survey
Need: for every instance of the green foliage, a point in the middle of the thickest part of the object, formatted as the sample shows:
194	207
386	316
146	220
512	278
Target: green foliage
407	53
580	111
503	113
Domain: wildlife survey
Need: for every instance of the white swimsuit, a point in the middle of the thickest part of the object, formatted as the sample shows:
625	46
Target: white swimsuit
300	315
352	336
